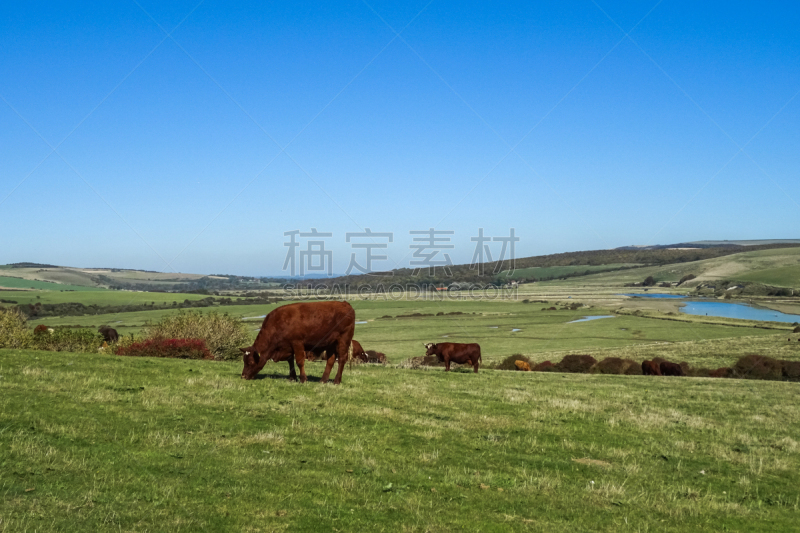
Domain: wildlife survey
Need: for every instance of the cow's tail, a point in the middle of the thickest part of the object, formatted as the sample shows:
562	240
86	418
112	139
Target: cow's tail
350	355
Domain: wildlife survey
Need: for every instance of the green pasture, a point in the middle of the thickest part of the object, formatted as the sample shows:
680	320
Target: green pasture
101	443
94	296
788	276
21	283
392	328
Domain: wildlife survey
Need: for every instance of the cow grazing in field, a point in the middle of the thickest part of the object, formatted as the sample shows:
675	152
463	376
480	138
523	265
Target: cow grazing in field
290	331
671	369
109	334
650	368
358	351
455	352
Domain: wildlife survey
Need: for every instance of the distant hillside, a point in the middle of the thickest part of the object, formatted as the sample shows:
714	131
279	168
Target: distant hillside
775	268
126	279
616	259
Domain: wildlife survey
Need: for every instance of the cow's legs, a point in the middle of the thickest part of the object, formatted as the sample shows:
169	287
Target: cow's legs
300	359
475	365
342	349
328	365
292	373
447	364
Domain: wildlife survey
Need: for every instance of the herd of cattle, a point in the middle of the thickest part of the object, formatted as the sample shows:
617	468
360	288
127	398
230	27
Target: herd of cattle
305	331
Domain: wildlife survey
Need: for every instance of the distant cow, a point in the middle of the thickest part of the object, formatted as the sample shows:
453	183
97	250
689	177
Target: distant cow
109	334
456	352
290	331
358	351
650	368
671	369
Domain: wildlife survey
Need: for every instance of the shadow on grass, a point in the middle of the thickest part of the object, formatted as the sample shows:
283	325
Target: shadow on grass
285	376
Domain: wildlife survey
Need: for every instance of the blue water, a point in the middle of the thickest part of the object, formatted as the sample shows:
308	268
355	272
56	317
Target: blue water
652	295
726	309
731	310
588	318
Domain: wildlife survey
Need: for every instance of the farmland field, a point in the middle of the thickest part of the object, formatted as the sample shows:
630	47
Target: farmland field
98	443
93	442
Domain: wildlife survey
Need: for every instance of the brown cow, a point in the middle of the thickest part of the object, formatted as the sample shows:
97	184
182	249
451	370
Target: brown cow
671	369
456	352
650	368
358	352
289	331
109	334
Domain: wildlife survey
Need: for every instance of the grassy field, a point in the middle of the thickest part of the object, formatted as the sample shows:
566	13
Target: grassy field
92	442
391	327
99	443
7	282
89	296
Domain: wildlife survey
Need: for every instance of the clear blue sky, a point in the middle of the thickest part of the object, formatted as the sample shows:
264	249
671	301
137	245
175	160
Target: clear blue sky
543	117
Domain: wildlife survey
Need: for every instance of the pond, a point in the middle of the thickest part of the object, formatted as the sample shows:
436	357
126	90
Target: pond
588	318
734	310
726	309
652	295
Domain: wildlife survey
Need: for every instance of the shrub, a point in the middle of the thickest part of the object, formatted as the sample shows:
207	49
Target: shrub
616	365
791	369
223	334
69	340
700	372
649	281
508	362
41	329
174	348
758	367
796	329
544	366
723	372
576	364
14	331
687	277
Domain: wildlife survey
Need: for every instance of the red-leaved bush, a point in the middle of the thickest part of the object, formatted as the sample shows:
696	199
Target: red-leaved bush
175	348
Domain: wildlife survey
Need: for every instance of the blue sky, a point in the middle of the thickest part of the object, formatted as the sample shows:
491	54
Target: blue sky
190	137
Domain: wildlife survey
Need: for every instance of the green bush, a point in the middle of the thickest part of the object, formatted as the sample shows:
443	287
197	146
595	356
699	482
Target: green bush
14	331
222	333
69	340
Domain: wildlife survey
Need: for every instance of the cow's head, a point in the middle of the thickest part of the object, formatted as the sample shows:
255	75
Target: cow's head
251	361
430	349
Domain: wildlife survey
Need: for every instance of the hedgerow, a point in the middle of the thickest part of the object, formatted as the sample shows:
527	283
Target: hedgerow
223	334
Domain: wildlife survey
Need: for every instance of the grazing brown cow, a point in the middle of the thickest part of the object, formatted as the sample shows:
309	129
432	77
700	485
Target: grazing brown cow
358	352
289	331
456	352
650	368
671	369
109	334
